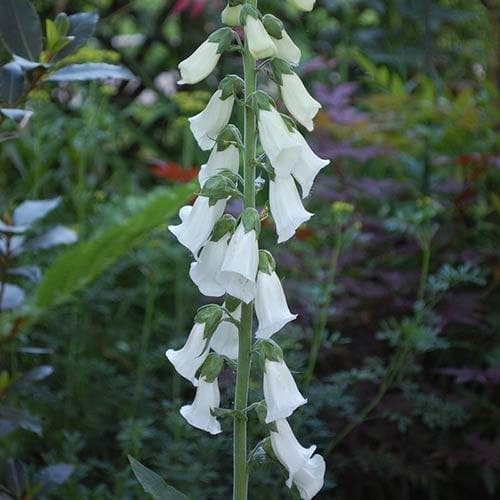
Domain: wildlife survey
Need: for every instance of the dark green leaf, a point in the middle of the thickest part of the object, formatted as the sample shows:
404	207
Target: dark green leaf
82	27
16	476
20	29
153	483
11	83
14	418
51	477
91	71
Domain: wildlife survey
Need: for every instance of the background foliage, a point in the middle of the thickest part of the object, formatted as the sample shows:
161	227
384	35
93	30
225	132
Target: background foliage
396	278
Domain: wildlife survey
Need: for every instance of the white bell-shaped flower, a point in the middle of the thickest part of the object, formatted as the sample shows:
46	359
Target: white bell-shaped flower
260	43
279	144
310	479
287	50
239	269
198	414
280	391
286	207
298	100
225	338
231	15
188	359
197	222
200	63
227	159
207	124
307	166
291	454
204	271
304	5
270	305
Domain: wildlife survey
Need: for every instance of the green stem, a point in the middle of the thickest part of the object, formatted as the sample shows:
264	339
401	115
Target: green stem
323	315
424	271
240	485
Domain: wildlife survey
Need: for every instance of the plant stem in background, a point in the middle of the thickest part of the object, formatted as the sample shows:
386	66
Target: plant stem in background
240	483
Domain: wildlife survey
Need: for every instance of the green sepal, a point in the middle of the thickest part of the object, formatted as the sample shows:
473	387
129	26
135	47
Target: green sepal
271	351
209	315
231	85
273	26
261	411
248	10
224	225
234	3
231	303
222	412
229	135
290	124
267	264
280	68
212	367
261	101
62	23
221	186
224	37
251	220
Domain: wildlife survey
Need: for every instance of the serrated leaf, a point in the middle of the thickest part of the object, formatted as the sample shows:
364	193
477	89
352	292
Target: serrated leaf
153	483
20	29
91	71
81	264
51	477
11	83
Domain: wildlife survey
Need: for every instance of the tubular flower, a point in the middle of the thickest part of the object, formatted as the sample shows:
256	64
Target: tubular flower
280	391
270	305
231	15
304	469
304	5
197	223
239	269
278	142
286	207
228	158
225	338
298	100
189	358
198	414
207	124
260	43
287	50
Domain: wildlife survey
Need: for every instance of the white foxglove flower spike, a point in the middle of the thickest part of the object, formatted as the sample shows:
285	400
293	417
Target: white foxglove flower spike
304	5
304	469
280	391
206	125
198	414
197	222
204	271
270	301
297	99
239	269
281	148
260	44
225	339
286	207
203	60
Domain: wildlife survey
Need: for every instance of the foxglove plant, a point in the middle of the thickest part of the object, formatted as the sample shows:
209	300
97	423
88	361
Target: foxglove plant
228	262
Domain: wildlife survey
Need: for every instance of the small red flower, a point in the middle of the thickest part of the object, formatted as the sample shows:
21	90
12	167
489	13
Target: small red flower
173	171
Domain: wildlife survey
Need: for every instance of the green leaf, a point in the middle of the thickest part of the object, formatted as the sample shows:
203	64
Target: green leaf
153	483
82	263
11	83
91	71
16	115
20	29
81	27
52	34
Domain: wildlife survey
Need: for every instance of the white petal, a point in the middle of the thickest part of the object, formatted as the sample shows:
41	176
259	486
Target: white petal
280	391
189	358
260	43
231	15
198	222
310	479
207	124
298	100
239	269
200	63
227	159
225	338
287	50
203	272
286	208
198	413
270	305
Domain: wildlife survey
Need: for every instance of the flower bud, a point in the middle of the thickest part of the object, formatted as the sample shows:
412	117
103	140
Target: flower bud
260	44
286	207
304	5
225	338
207	124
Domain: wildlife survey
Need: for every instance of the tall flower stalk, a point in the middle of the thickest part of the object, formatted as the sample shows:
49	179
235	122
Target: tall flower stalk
227	260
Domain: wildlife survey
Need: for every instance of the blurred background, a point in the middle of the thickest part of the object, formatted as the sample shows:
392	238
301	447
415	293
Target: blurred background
395	280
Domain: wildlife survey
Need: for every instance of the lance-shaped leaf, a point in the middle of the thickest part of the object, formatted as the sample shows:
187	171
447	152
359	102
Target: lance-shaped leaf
91	71
11	83
20	29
